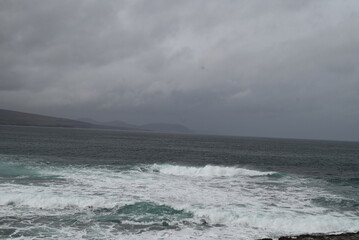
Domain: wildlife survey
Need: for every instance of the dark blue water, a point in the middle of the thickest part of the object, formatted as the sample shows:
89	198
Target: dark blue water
101	184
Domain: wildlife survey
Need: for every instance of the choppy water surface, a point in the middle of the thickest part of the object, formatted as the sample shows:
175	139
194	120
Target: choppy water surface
90	184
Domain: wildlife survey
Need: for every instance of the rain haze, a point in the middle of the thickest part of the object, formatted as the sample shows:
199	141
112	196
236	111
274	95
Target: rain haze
247	68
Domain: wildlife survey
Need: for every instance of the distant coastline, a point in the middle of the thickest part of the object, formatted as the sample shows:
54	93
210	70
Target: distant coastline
15	118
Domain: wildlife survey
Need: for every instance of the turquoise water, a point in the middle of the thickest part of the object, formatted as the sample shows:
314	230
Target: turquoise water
92	184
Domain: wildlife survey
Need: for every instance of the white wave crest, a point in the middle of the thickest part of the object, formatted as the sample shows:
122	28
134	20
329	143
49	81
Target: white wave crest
51	201
207	171
285	223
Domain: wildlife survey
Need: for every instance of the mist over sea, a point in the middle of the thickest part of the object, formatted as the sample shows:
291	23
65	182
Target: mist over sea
100	184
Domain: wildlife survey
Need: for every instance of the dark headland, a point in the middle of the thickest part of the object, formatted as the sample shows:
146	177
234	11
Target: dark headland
342	236
9	117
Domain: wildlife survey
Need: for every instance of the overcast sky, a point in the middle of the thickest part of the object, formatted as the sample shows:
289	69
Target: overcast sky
249	68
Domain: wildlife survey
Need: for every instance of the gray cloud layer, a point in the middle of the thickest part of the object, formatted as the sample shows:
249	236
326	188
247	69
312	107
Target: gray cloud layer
259	68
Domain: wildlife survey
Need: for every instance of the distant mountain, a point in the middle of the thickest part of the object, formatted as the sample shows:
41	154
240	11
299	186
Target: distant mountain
8	117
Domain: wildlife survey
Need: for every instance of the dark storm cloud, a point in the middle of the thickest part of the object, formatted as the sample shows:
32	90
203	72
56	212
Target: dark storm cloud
264	68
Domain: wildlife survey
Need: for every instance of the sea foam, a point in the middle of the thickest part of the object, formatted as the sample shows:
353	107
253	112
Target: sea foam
207	171
231	201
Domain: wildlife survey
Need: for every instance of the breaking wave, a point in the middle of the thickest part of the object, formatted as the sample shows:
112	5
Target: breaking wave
207	171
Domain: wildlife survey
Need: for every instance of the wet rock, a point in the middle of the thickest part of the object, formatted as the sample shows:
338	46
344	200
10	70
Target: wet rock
343	236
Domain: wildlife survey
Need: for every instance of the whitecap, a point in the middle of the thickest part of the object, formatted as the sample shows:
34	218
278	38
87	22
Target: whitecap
207	171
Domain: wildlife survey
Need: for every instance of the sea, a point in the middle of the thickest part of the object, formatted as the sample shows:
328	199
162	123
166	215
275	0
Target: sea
61	183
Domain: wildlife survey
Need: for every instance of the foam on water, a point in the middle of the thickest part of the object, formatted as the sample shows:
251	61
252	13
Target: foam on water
208	202
207	171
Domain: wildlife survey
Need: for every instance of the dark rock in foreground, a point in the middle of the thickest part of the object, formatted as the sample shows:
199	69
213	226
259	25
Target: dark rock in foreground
343	236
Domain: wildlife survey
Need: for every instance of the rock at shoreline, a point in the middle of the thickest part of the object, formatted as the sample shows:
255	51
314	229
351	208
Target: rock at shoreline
343	236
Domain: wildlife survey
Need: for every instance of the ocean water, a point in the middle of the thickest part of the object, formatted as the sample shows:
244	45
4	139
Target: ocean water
96	184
